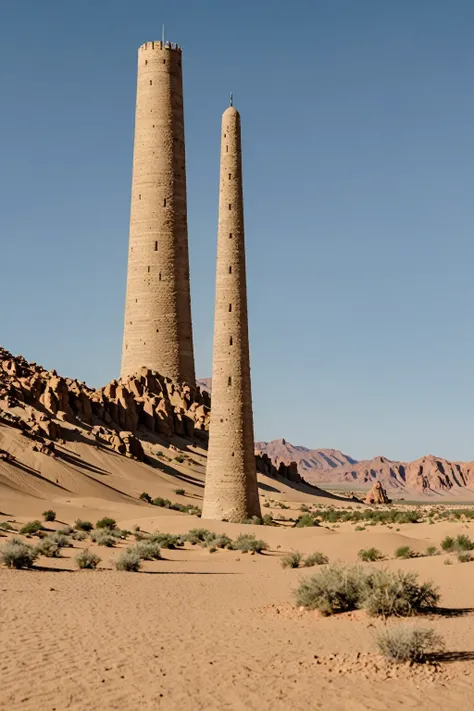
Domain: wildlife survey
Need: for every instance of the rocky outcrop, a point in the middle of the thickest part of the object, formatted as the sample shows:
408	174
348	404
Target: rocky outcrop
285	471
308	460
143	403
377	495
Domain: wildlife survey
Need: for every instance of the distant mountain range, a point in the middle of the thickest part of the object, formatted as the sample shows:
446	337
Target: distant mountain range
429	474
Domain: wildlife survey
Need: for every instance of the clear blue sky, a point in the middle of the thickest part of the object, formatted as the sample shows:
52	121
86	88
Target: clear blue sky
358	123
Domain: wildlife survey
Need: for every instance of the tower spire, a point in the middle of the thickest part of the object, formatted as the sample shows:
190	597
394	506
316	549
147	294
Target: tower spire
231	103
231	482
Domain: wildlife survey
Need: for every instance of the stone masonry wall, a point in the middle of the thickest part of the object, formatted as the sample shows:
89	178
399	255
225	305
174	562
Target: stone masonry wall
158	329
231	483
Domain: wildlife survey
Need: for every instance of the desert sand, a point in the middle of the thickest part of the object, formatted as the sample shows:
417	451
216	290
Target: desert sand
201	630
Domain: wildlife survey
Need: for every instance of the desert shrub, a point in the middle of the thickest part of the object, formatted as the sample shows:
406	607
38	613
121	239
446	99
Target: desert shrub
5	526
78	535
61	539
180	492
304	508
306	519
120	533
397	593
463	543
213	549
292	560
222	540
129	560
266	505
146	497
454	545
336	588
370	554
103	538
315	559
448	561
247	542
179	459
66	530
166	540
106	522
17	554
404	643
147	550
255	520
49	548
87	559
49	515
184	508
464	557
268	520
83	525
32	527
359	528
199	535
431	550
404	552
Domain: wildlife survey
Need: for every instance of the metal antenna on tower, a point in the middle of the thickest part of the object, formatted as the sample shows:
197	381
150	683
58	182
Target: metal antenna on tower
231	99
163	36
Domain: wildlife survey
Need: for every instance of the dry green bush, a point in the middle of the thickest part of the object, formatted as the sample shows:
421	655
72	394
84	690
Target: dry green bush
398	593
86	559
370	554
129	560
291	560
103	538
315	559
17	554
247	542
147	550
404	643
336	588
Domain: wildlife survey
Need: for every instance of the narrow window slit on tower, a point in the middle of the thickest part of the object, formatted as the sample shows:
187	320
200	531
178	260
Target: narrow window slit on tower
164	61
148	269
159	276
146	61
164	202
230	176
230	305
227	149
230	270
151	82
229	380
156	246
230	341
230	235
230	206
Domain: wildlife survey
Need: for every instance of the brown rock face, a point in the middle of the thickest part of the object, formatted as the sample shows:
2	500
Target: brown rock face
377	495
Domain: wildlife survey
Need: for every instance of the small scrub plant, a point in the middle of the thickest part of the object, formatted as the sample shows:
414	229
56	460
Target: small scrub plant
292	560
431	550
78	535
222	541
359	528
49	515
454	545
31	528
336	588
103	538
199	535
180	492
464	557
5	526
66	530
129	561
106	522
370	554
86	526
167	540
448	561
306	520
315	559
179	459
404	643
87	560
247	542
120	533
147	550
17	554
404	552
146	497
398	593
49	548
213	549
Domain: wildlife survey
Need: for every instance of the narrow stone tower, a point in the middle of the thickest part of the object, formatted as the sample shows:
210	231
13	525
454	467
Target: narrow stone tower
231	481
158	329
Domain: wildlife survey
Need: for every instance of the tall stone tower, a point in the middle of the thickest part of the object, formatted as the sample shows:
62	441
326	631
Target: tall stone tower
231	481
158	329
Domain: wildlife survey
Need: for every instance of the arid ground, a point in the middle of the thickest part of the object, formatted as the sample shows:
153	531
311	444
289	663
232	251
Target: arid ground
208	630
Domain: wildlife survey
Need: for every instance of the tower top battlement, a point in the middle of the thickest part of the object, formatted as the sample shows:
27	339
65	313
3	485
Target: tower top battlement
170	46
